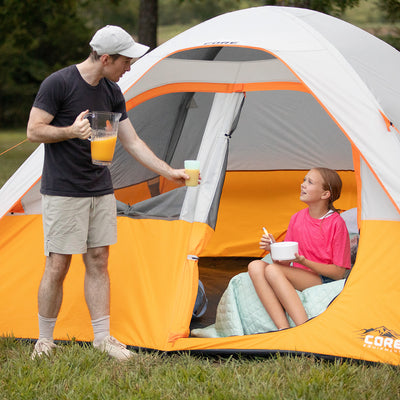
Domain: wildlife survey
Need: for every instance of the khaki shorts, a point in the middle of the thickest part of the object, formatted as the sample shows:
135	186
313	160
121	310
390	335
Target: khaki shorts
71	225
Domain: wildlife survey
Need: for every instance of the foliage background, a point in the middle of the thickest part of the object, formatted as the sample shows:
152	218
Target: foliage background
38	37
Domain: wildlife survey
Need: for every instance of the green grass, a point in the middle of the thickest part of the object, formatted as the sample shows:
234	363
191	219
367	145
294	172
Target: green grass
12	159
367	12
369	17
80	372
167	32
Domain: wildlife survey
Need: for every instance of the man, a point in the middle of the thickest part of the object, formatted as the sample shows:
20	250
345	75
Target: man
79	210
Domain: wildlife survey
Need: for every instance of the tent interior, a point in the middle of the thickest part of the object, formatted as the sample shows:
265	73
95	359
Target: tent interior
215	273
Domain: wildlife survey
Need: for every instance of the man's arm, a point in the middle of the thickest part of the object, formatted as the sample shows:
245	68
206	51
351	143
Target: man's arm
138	149
40	130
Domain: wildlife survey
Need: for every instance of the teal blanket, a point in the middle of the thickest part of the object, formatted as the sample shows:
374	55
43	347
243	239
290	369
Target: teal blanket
240	311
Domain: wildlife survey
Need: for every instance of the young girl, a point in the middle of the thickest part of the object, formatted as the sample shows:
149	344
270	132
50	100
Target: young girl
324	250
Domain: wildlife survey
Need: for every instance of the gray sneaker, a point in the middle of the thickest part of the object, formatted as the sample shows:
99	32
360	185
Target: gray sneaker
114	348
43	347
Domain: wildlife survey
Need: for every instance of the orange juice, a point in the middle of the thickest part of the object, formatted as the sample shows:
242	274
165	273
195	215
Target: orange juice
103	150
194	177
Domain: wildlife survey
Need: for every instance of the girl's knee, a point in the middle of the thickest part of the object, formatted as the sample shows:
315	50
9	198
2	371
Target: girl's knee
256	268
273	271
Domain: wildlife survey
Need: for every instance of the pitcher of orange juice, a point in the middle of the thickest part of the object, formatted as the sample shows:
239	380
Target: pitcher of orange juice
104	135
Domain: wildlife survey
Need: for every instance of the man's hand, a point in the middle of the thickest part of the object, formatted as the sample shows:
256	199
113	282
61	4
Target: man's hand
179	176
40	130
81	127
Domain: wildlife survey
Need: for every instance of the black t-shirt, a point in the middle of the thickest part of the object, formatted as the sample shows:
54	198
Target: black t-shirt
68	168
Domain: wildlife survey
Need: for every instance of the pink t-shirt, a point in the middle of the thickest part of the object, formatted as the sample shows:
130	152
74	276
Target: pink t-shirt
321	240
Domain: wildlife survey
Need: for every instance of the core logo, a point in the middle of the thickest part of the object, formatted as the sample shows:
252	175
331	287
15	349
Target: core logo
381	339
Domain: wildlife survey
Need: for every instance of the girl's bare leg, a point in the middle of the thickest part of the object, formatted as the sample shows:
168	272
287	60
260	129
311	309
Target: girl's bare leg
284	281
269	300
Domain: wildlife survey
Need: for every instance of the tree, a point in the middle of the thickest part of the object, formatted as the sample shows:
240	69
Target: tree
391	9
148	21
98	13
41	36
335	7
36	38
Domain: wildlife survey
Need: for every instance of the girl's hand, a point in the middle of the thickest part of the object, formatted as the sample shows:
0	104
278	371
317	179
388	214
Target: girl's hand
299	259
265	242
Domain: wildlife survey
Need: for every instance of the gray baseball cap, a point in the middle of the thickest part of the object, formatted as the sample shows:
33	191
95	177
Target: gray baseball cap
114	40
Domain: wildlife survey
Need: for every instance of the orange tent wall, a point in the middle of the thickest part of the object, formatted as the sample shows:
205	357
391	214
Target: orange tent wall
253	199
369	301
153	284
21	267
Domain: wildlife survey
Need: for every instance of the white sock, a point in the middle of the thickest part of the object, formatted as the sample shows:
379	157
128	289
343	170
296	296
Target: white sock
101	328
46	327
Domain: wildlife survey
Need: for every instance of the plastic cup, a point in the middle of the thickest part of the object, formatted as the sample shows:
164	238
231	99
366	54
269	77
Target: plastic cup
192	168
104	135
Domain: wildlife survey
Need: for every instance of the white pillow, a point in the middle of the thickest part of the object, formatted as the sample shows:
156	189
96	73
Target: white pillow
350	217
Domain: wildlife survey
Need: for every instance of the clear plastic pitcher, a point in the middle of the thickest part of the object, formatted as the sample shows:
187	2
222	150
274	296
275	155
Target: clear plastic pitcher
104	135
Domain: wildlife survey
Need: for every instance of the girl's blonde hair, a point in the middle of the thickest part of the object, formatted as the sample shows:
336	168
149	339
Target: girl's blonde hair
331	182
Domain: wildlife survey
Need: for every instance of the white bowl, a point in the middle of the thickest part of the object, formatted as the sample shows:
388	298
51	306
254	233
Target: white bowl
284	251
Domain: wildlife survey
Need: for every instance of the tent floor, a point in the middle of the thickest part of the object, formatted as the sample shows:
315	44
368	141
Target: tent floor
215	273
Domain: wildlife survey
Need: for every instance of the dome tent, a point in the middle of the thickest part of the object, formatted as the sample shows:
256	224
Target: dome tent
259	96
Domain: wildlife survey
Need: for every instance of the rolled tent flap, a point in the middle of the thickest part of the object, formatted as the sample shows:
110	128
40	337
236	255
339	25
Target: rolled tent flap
212	156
